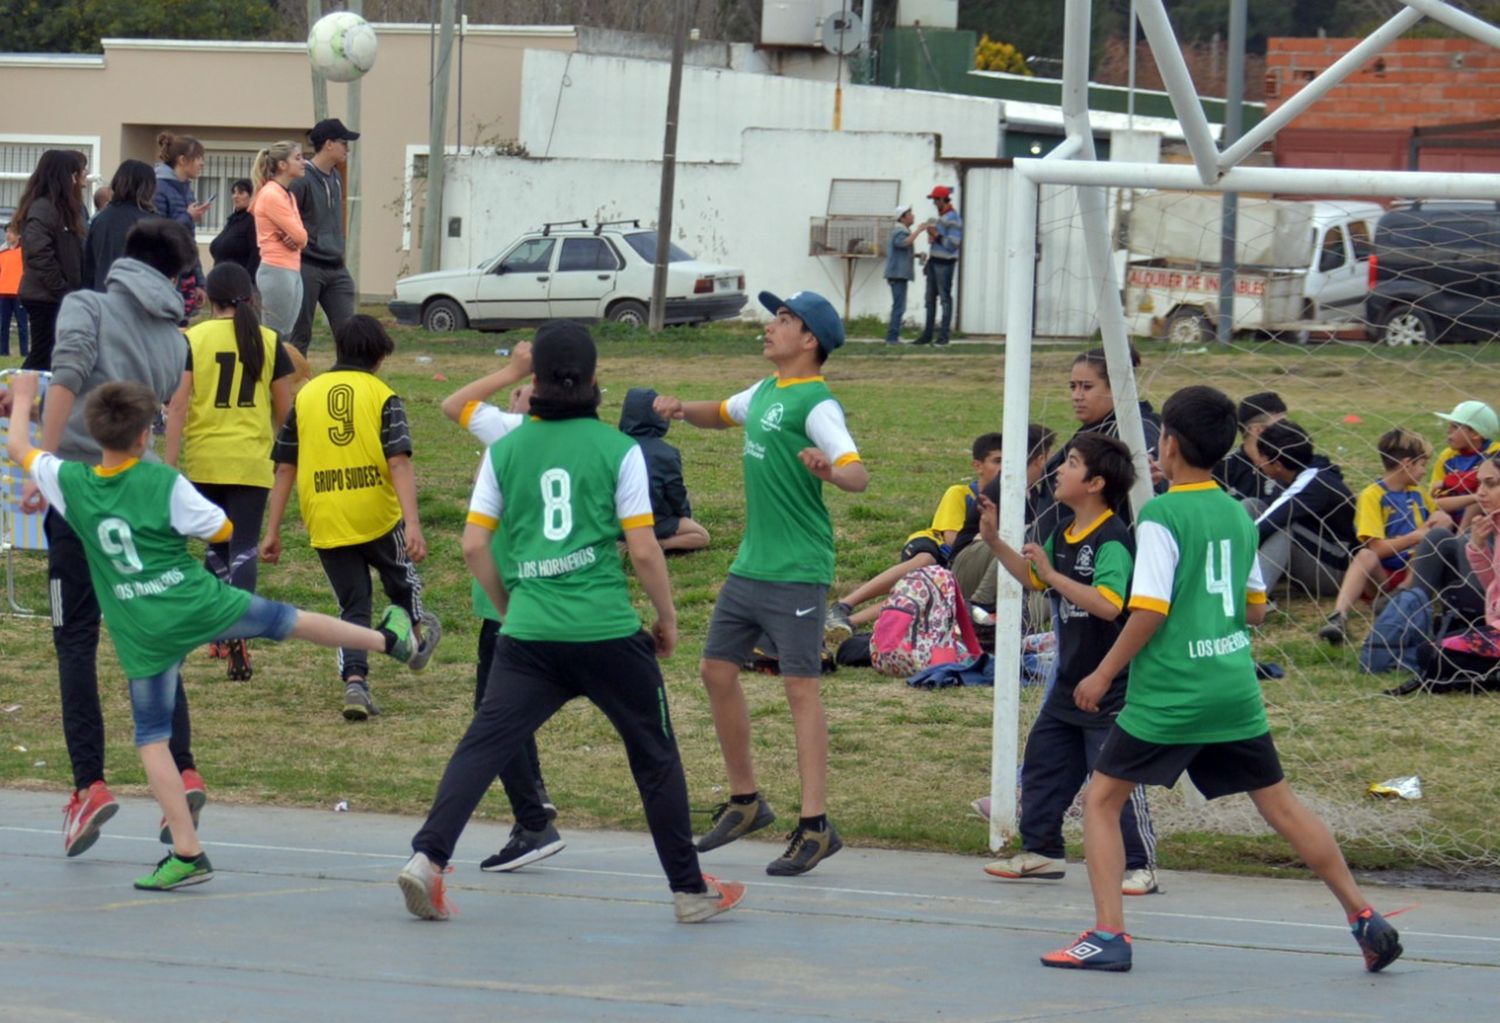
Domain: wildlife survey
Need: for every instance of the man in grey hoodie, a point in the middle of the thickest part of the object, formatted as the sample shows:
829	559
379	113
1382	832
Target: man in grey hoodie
128	333
320	198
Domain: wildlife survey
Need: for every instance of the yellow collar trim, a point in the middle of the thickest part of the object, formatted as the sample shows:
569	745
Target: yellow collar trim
116	470
1071	537
789	381
1185	487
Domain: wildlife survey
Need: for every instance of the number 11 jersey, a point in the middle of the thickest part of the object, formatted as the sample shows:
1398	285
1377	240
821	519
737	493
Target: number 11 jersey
227	437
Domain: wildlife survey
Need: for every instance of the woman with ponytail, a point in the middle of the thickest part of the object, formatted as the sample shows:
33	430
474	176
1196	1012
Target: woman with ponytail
234	396
280	233
179	163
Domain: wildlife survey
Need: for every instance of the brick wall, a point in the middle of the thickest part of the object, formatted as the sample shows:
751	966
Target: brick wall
1415	82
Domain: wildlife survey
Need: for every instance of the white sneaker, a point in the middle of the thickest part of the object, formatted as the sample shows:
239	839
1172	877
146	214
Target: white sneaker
421	883
1027	865
696	907
1139	882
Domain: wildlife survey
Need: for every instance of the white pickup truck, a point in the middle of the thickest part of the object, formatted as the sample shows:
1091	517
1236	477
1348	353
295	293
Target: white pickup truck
1302	268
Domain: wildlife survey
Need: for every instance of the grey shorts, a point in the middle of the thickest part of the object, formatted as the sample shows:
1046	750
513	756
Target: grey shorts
789	615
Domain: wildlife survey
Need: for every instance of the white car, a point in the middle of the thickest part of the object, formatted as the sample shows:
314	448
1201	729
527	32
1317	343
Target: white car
576	273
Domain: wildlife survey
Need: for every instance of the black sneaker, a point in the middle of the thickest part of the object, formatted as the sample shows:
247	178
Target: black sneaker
525	847
357	703
805	849
546	801
1336	631
1377	939
238	653
736	820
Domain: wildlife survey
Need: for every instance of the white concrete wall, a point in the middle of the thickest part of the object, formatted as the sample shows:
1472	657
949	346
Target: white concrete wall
753	214
581	105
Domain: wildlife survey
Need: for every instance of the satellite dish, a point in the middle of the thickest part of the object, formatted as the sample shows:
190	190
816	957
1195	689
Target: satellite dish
841	33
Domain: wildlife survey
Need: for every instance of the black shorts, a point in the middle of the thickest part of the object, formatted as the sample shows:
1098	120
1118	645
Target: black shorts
1217	768
924	545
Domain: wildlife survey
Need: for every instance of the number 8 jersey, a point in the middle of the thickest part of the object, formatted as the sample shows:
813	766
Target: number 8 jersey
558	494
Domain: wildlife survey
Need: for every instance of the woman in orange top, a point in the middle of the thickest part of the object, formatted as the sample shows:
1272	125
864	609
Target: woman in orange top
280	232
10	291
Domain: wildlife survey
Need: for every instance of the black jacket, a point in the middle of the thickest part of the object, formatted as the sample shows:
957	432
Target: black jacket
669	497
236	243
106	240
51	254
1050	514
1241	479
1318	502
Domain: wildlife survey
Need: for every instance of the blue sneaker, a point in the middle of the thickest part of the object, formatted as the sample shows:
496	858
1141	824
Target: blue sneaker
1377	939
1093	952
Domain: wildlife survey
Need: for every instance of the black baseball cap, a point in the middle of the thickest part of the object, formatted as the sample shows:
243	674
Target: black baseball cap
331	129
563	350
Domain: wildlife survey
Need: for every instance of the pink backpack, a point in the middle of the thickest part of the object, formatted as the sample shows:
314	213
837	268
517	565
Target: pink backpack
923	622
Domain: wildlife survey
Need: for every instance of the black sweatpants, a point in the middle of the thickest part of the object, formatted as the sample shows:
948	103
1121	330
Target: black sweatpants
42	317
235	560
522	776
529	681
1059	758
348	572
75	638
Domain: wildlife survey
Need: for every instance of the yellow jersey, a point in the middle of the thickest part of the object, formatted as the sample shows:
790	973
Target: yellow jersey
343	479
228	434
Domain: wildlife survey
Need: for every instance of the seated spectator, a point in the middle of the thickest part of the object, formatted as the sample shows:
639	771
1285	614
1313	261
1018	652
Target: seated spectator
1306	533
1470	661
1390	519
675	528
973	564
930	546
1239	474
1472	425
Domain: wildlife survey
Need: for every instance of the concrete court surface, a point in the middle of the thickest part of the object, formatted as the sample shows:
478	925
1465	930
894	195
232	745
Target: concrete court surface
303	921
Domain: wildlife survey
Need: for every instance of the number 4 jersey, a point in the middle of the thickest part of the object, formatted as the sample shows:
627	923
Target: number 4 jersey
159	602
1195	562
558	493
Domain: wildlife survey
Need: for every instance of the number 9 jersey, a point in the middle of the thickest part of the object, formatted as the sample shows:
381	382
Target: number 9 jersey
558	494
344	426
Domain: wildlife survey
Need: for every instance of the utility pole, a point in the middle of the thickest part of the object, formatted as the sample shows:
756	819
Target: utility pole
668	171
319	83
437	140
1234	95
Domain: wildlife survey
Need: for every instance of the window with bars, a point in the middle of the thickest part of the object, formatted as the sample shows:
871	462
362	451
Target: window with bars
19	156
222	167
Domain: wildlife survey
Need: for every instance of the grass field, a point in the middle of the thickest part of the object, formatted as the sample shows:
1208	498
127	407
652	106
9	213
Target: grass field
905	763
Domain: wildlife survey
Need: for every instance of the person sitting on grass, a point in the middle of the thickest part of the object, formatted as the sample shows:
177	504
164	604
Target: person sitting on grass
1240	473
1472	427
1392	516
134	519
1194	703
1308	531
930	546
1087	565
675	527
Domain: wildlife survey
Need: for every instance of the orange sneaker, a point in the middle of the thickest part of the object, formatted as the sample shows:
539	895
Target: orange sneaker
1092	951
84	815
197	795
696	907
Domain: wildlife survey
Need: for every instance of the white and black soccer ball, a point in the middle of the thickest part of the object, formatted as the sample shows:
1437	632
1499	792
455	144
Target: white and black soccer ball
341	46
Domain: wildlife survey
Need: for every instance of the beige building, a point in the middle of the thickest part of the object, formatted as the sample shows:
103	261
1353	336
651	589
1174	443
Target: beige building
237	97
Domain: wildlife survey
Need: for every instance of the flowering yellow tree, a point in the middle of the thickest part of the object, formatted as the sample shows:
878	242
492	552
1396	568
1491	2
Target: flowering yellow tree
993	55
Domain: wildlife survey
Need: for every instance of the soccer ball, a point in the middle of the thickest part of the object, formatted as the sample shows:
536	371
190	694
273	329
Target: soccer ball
341	46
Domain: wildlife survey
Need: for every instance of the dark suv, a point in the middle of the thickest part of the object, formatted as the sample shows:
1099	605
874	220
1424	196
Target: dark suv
1435	274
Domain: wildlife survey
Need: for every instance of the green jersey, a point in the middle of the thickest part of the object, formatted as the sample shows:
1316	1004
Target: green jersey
558	493
488	424
788	534
133	521
1195	562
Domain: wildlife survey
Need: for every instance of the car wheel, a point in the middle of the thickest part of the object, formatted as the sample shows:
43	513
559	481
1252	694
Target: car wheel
1406	326
630	312
1188	326
443	315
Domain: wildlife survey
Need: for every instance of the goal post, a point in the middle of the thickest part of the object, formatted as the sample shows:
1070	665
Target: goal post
1073	165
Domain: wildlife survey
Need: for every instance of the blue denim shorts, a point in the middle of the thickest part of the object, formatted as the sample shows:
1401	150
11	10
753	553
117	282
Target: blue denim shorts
153	699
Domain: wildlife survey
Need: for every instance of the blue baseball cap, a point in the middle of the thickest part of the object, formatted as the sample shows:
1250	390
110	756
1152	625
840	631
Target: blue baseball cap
816	313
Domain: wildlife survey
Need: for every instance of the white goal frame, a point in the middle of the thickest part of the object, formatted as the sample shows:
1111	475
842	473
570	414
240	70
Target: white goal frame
1073	163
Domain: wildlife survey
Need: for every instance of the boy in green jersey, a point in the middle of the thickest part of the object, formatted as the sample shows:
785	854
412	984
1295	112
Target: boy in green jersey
795	441
550	501
133	519
1193	703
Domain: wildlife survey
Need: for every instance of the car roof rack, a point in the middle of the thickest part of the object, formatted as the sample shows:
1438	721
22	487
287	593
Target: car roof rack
549	225
633	222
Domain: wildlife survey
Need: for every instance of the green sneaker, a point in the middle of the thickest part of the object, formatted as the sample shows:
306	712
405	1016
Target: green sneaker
398	623
172	873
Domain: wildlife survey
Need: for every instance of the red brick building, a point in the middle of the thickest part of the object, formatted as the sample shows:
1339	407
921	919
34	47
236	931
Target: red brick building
1383	116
